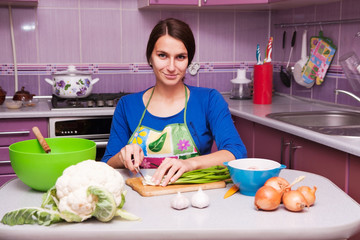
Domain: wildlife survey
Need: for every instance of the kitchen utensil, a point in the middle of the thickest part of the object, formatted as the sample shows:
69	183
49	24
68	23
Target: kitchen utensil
350	63
299	65
268	53
40	170
41	139
249	174
31	103
241	86
137	169
23	95
2	96
11	104
286	74
149	191
72	83
282	68
258	55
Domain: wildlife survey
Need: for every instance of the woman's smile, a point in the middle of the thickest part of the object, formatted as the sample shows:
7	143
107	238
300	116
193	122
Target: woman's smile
170	76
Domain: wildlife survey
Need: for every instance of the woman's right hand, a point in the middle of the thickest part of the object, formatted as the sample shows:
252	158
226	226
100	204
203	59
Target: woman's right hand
131	156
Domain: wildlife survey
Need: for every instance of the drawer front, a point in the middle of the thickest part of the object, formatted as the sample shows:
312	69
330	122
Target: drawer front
16	130
4	154
5	178
5	167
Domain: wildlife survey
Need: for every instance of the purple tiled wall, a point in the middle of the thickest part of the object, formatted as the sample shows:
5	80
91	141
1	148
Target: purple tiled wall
108	37
342	35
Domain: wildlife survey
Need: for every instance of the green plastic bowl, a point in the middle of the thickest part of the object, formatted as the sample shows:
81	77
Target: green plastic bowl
40	170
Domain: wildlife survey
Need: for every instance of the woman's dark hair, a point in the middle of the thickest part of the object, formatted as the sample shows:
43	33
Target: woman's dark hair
176	29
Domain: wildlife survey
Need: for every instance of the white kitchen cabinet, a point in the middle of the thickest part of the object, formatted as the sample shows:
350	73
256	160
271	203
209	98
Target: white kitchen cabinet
12	131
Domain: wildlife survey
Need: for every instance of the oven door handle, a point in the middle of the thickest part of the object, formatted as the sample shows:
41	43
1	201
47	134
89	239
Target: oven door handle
101	144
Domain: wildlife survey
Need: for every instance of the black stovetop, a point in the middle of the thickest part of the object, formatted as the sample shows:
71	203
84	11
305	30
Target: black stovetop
94	100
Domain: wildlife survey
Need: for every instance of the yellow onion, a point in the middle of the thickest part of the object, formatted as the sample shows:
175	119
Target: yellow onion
267	198
294	201
278	183
308	193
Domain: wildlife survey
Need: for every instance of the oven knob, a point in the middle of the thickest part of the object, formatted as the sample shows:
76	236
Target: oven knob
90	103
100	103
110	103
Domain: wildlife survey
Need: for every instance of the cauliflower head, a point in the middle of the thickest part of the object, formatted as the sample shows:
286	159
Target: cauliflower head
72	186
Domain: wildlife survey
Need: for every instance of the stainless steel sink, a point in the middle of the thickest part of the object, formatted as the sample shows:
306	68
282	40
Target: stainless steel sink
327	122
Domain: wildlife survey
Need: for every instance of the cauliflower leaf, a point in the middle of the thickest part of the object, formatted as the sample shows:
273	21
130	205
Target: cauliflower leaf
33	215
105	207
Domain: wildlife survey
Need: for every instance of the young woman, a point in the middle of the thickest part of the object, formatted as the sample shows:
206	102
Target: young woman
171	125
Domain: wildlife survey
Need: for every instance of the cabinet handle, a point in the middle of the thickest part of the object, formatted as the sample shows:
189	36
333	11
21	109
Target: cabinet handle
292	149
283	147
4	162
101	144
15	133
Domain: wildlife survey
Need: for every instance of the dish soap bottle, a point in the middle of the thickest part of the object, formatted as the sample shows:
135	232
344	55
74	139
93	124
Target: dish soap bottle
241	86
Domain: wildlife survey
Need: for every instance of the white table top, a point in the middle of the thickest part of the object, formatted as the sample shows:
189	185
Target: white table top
334	216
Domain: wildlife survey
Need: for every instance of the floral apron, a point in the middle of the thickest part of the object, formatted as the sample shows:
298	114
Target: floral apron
174	141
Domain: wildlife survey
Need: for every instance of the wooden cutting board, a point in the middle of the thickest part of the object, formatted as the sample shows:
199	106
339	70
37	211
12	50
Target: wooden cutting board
149	191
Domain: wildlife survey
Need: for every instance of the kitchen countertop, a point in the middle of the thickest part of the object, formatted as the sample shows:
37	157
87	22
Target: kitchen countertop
284	103
241	108
43	109
334	216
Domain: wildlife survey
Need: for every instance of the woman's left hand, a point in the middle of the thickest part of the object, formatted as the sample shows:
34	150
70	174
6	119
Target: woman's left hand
173	169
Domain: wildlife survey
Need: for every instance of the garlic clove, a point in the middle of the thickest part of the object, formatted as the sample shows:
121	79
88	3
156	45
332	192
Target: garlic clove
200	199
180	202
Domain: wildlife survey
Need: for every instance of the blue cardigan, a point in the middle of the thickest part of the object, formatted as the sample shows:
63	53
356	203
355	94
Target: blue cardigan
208	118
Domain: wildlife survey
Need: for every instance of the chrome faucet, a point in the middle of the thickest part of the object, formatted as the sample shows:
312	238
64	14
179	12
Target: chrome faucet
337	91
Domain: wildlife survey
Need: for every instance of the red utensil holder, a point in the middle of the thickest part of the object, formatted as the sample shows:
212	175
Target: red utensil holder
263	83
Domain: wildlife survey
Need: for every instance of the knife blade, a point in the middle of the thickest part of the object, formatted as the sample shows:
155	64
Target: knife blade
137	169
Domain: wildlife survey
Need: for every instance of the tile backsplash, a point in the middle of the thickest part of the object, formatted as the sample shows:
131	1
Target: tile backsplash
108	38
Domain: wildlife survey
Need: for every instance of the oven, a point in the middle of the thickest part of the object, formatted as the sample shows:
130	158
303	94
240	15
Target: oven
96	129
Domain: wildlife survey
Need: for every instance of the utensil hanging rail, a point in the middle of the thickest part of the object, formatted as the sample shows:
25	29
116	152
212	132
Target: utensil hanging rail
304	24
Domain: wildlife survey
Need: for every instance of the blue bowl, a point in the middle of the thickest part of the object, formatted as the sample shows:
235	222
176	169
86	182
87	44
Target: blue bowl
250	174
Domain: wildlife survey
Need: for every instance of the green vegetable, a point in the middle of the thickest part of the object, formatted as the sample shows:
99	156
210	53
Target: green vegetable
33	215
49	213
105	207
207	175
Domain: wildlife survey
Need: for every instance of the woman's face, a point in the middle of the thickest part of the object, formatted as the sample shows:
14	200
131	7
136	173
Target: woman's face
169	60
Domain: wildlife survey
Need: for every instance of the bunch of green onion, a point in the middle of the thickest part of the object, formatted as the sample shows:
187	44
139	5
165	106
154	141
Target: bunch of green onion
207	175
